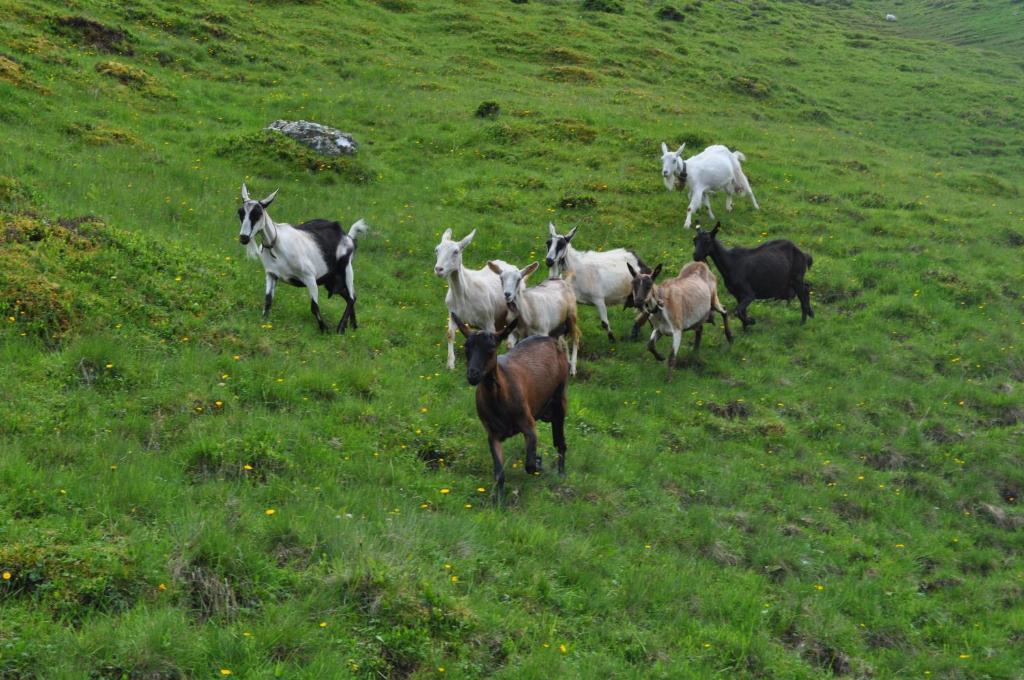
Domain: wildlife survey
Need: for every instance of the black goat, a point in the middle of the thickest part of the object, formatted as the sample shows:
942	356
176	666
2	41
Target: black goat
772	271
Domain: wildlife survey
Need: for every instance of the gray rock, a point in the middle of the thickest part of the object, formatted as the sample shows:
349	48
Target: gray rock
321	138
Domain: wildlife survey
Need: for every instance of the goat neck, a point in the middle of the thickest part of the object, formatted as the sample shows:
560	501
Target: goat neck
455	281
270	233
722	257
566	267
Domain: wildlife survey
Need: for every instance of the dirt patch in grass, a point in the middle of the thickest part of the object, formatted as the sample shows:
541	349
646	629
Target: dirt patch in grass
1004	519
253	458
100	134
606	6
820	654
731	409
14	196
14	73
488	109
90	33
887	459
668	13
752	87
564	56
70	580
570	74
940	434
577	202
132	76
569	130
210	594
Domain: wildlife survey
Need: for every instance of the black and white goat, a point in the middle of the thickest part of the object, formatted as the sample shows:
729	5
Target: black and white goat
315	253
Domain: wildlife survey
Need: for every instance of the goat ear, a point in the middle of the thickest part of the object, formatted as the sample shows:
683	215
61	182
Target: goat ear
656	272
269	199
463	328
493	266
680	149
447	235
245	193
551	229
530	268
632	272
509	327
664	148
572	232
469	239
715	230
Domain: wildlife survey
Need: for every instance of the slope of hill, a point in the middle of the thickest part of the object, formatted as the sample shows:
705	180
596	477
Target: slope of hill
191	492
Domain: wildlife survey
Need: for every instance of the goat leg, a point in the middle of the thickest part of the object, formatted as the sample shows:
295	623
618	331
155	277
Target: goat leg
558	428
498	458
805	302
533	464
725	323
315	308
349	313
651	345
741	311
268	298
638	323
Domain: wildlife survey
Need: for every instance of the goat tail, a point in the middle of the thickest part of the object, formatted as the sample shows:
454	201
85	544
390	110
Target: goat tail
810	260
357	228
738	155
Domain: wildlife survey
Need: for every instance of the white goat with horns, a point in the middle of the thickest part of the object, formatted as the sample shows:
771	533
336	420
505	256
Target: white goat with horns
474	295
599	278
549	308
315	253
713	169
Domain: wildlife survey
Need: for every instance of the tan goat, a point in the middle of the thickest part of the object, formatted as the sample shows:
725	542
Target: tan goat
680	304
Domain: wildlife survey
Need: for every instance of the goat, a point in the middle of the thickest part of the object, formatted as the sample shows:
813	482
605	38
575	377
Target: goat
680	304
315	253
598	278
549	308
712	169
515	390
475	295
772	271
890	17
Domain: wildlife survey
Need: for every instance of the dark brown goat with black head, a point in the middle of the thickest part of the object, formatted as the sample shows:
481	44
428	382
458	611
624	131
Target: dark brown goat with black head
516	389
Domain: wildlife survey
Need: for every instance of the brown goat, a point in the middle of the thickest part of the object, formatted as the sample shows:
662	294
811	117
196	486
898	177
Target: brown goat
680	304
516	389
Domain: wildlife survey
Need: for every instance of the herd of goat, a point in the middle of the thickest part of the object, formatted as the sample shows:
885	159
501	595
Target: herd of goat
529	382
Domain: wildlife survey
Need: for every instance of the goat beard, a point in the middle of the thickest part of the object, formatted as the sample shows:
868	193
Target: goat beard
512	307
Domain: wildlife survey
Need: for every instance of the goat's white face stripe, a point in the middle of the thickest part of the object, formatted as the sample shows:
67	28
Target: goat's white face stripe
247	227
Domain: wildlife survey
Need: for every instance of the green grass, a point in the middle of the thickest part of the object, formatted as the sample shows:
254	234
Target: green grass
837	498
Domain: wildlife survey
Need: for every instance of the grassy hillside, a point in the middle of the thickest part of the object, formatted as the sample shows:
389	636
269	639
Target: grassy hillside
190	492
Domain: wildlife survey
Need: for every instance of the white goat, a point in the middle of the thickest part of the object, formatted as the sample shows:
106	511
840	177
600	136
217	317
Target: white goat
473	295
549	308
599	278
711	170
890	17
315	253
